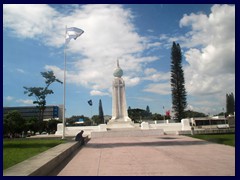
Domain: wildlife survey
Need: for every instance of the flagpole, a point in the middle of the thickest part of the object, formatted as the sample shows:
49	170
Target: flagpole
75	33
64	87
91	116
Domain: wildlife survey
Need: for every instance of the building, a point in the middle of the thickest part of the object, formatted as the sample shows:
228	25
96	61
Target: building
50	112
209	122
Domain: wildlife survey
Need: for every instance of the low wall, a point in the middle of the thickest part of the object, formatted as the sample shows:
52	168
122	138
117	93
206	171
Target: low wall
43	163
74	130
169	127
166	127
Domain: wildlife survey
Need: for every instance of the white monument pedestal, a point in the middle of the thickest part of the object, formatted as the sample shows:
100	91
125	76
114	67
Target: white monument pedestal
114	124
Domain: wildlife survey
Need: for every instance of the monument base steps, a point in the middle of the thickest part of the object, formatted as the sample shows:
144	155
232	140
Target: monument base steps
127	133
120	124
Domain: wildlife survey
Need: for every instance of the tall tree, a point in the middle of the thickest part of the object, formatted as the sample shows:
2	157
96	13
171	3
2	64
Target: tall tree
13	123
148	109
148	112
179	100
230	104
101	115
40	93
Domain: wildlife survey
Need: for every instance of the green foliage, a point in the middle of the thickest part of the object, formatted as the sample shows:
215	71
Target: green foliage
87	121
148	112
31	124
230	104
190	114
101	115
52	126
157	116
138	114
40	93
73	119
18	150
227	139
13	123
179	100
50	78
96	120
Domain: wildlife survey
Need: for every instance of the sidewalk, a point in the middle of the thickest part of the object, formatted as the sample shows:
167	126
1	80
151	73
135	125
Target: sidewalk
152	156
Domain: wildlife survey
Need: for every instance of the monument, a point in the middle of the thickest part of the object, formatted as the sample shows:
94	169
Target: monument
120	117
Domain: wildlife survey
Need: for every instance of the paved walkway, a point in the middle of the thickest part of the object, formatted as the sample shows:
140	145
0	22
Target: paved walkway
152	156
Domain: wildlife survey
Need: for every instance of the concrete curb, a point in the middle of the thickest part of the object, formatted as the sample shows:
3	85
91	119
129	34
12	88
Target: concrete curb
44	163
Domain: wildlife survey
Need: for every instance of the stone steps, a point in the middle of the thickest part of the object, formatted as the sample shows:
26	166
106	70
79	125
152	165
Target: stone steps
127	133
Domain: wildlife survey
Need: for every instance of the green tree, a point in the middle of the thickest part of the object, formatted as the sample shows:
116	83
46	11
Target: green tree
52	126
87	121
156	116
101	115
13	123
148	112
40	93
179	100
96	120
191	114
137	114
70	121
31	125
230	104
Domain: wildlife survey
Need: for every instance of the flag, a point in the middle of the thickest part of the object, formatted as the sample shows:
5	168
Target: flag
168	113
90	102
73	33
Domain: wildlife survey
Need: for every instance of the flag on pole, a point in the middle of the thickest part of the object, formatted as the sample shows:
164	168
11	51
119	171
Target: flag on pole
90	102
168	113
73	33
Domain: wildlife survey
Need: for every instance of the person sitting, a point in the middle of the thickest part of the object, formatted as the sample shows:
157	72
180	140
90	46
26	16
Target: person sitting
79	137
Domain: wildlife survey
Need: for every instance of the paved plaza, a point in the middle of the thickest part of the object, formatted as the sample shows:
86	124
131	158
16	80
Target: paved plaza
166	155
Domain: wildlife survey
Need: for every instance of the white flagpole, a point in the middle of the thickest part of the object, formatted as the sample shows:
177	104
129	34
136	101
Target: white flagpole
64	78
64	87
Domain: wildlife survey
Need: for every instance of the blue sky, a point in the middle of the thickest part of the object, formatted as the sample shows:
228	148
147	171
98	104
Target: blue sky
140	36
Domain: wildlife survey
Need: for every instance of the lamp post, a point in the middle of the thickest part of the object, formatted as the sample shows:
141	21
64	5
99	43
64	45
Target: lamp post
164	115
224	116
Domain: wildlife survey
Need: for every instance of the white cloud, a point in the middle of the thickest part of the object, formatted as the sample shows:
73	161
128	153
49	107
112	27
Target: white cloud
98	93
29	20
131	81
151	74
9	98
209	47
25	101
150	30
211	68
109	34
148	71
210	72
161	88
20	70
99	46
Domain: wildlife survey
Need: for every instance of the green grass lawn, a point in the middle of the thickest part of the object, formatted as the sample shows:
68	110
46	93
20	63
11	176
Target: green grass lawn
18	150
227	139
